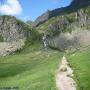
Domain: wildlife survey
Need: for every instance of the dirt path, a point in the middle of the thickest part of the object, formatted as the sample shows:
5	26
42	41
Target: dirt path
64	75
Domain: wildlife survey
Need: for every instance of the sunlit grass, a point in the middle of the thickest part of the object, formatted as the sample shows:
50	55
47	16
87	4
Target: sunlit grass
32	69
80	61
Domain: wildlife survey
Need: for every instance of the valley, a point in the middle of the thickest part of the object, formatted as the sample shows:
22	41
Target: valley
49	53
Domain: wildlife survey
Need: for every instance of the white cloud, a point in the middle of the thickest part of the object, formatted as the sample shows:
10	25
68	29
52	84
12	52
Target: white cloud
11	7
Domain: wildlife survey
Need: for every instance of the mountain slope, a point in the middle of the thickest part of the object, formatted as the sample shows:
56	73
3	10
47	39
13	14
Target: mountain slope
12	29
74	6
13	34
68	31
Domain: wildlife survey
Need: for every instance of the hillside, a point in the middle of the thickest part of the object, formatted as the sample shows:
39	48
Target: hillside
13	34
12	29
73	7
67	29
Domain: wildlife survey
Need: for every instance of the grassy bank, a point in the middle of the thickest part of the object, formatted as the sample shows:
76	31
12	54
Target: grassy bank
80	61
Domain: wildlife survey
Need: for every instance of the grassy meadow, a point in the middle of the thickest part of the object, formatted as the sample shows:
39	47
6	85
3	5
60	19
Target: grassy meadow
34	68
31	69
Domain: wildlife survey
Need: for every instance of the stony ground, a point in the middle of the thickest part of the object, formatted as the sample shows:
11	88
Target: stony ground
10	47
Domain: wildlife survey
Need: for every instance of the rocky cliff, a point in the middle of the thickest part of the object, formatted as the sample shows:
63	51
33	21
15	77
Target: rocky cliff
67	31
13	34
12	29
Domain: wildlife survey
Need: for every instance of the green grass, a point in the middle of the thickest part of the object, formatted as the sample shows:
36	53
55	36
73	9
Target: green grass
80	61
32	69
1	38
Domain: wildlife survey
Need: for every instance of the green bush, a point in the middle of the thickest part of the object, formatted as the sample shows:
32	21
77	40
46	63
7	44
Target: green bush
32	36
1	38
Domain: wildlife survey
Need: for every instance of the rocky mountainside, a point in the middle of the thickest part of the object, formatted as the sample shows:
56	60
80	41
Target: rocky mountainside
68	31
13	34
74	6
67	22
12	29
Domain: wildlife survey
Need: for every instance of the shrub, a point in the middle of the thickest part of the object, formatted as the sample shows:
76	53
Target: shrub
1	38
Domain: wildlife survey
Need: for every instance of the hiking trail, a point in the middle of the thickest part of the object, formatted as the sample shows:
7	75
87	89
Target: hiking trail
64	80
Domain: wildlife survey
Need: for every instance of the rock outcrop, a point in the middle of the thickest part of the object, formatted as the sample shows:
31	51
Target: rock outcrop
13	34
12	29
7	48
71	41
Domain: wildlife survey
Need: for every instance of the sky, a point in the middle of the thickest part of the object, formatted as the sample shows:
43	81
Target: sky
29	9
